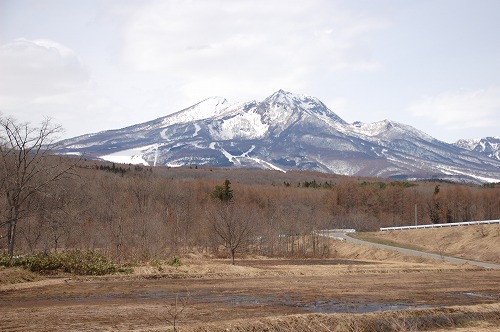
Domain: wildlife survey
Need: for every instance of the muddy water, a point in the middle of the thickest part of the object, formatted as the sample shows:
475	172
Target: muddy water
217	298
293	301
329	307
262	296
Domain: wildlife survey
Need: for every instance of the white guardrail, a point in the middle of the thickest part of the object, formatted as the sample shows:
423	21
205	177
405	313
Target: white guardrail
337	230
452	224
336	234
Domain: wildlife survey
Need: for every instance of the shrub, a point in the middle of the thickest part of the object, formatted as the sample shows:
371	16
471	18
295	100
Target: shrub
175	261
79	262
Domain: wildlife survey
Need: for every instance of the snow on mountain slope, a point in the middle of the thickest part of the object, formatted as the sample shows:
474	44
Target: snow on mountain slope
207	108
309	104
489	146
286	131
131	156
282	109
248	125
387	129
468	144
256	120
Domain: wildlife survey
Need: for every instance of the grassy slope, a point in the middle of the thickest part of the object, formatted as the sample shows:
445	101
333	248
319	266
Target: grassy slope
481	243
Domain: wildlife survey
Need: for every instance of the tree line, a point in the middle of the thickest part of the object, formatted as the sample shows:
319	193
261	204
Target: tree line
143	213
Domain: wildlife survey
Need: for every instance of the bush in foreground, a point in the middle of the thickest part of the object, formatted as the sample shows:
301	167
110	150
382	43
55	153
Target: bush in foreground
79	262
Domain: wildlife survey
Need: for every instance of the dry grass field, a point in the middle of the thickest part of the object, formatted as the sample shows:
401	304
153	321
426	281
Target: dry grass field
358	288
480	242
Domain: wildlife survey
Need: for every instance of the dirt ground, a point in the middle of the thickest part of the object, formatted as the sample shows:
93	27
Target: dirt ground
357	284
211	293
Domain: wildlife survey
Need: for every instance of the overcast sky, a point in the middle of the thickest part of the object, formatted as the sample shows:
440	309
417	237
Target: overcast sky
94	65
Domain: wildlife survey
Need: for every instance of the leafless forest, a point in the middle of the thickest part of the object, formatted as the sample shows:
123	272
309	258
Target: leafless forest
133	213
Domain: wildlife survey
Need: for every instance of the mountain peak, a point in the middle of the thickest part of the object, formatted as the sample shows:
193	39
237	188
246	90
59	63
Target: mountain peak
216	101
489	146
290	105
283	97
387	128
202	110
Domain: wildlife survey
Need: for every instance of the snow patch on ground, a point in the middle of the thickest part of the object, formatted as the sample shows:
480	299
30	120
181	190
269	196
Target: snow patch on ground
343	167
370	129
175	165
130	156
267	164
246	125
451	171
197	129
229	156
245	155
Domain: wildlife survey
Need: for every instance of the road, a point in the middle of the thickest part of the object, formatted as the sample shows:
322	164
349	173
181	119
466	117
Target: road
348	238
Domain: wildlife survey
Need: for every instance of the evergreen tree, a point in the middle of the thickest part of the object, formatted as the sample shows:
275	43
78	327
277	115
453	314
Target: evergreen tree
223	193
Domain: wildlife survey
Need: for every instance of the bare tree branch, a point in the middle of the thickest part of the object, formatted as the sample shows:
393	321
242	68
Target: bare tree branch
27	168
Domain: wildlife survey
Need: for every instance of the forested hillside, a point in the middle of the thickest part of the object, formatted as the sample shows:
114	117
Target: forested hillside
132	213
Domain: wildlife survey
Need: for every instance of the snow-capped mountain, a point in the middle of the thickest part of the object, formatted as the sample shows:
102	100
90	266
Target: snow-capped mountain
283	132
489	146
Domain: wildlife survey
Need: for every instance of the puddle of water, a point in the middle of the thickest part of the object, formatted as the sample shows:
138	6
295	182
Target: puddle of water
229	298
273	262
470	294
327	307
330	307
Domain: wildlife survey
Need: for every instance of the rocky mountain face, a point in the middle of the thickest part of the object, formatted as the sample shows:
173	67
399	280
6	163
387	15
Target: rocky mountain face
489	146
285	132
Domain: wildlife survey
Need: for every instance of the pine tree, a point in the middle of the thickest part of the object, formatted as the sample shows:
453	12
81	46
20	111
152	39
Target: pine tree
223	193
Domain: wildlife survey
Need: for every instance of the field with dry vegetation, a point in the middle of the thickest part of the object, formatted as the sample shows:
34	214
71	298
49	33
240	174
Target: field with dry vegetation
368	289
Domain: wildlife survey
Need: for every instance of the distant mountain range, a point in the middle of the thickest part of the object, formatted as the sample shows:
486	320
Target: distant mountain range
489	146
290	132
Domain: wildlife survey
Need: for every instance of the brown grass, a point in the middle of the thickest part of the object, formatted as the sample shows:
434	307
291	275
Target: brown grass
16	275
480	242
353	275
257	294
487	316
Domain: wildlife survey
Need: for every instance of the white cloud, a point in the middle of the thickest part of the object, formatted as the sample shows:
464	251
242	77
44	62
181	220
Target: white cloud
460	109
42	78
110	64
221	45
162	56
32	68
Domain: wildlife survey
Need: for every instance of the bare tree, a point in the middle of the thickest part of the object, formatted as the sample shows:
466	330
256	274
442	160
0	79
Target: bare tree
27	168
232	227
175	310
230	224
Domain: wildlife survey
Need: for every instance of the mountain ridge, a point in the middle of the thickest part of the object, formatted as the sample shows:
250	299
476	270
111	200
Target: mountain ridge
489	146
285	131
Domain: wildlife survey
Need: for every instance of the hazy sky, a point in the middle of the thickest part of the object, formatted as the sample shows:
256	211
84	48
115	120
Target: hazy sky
94	65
